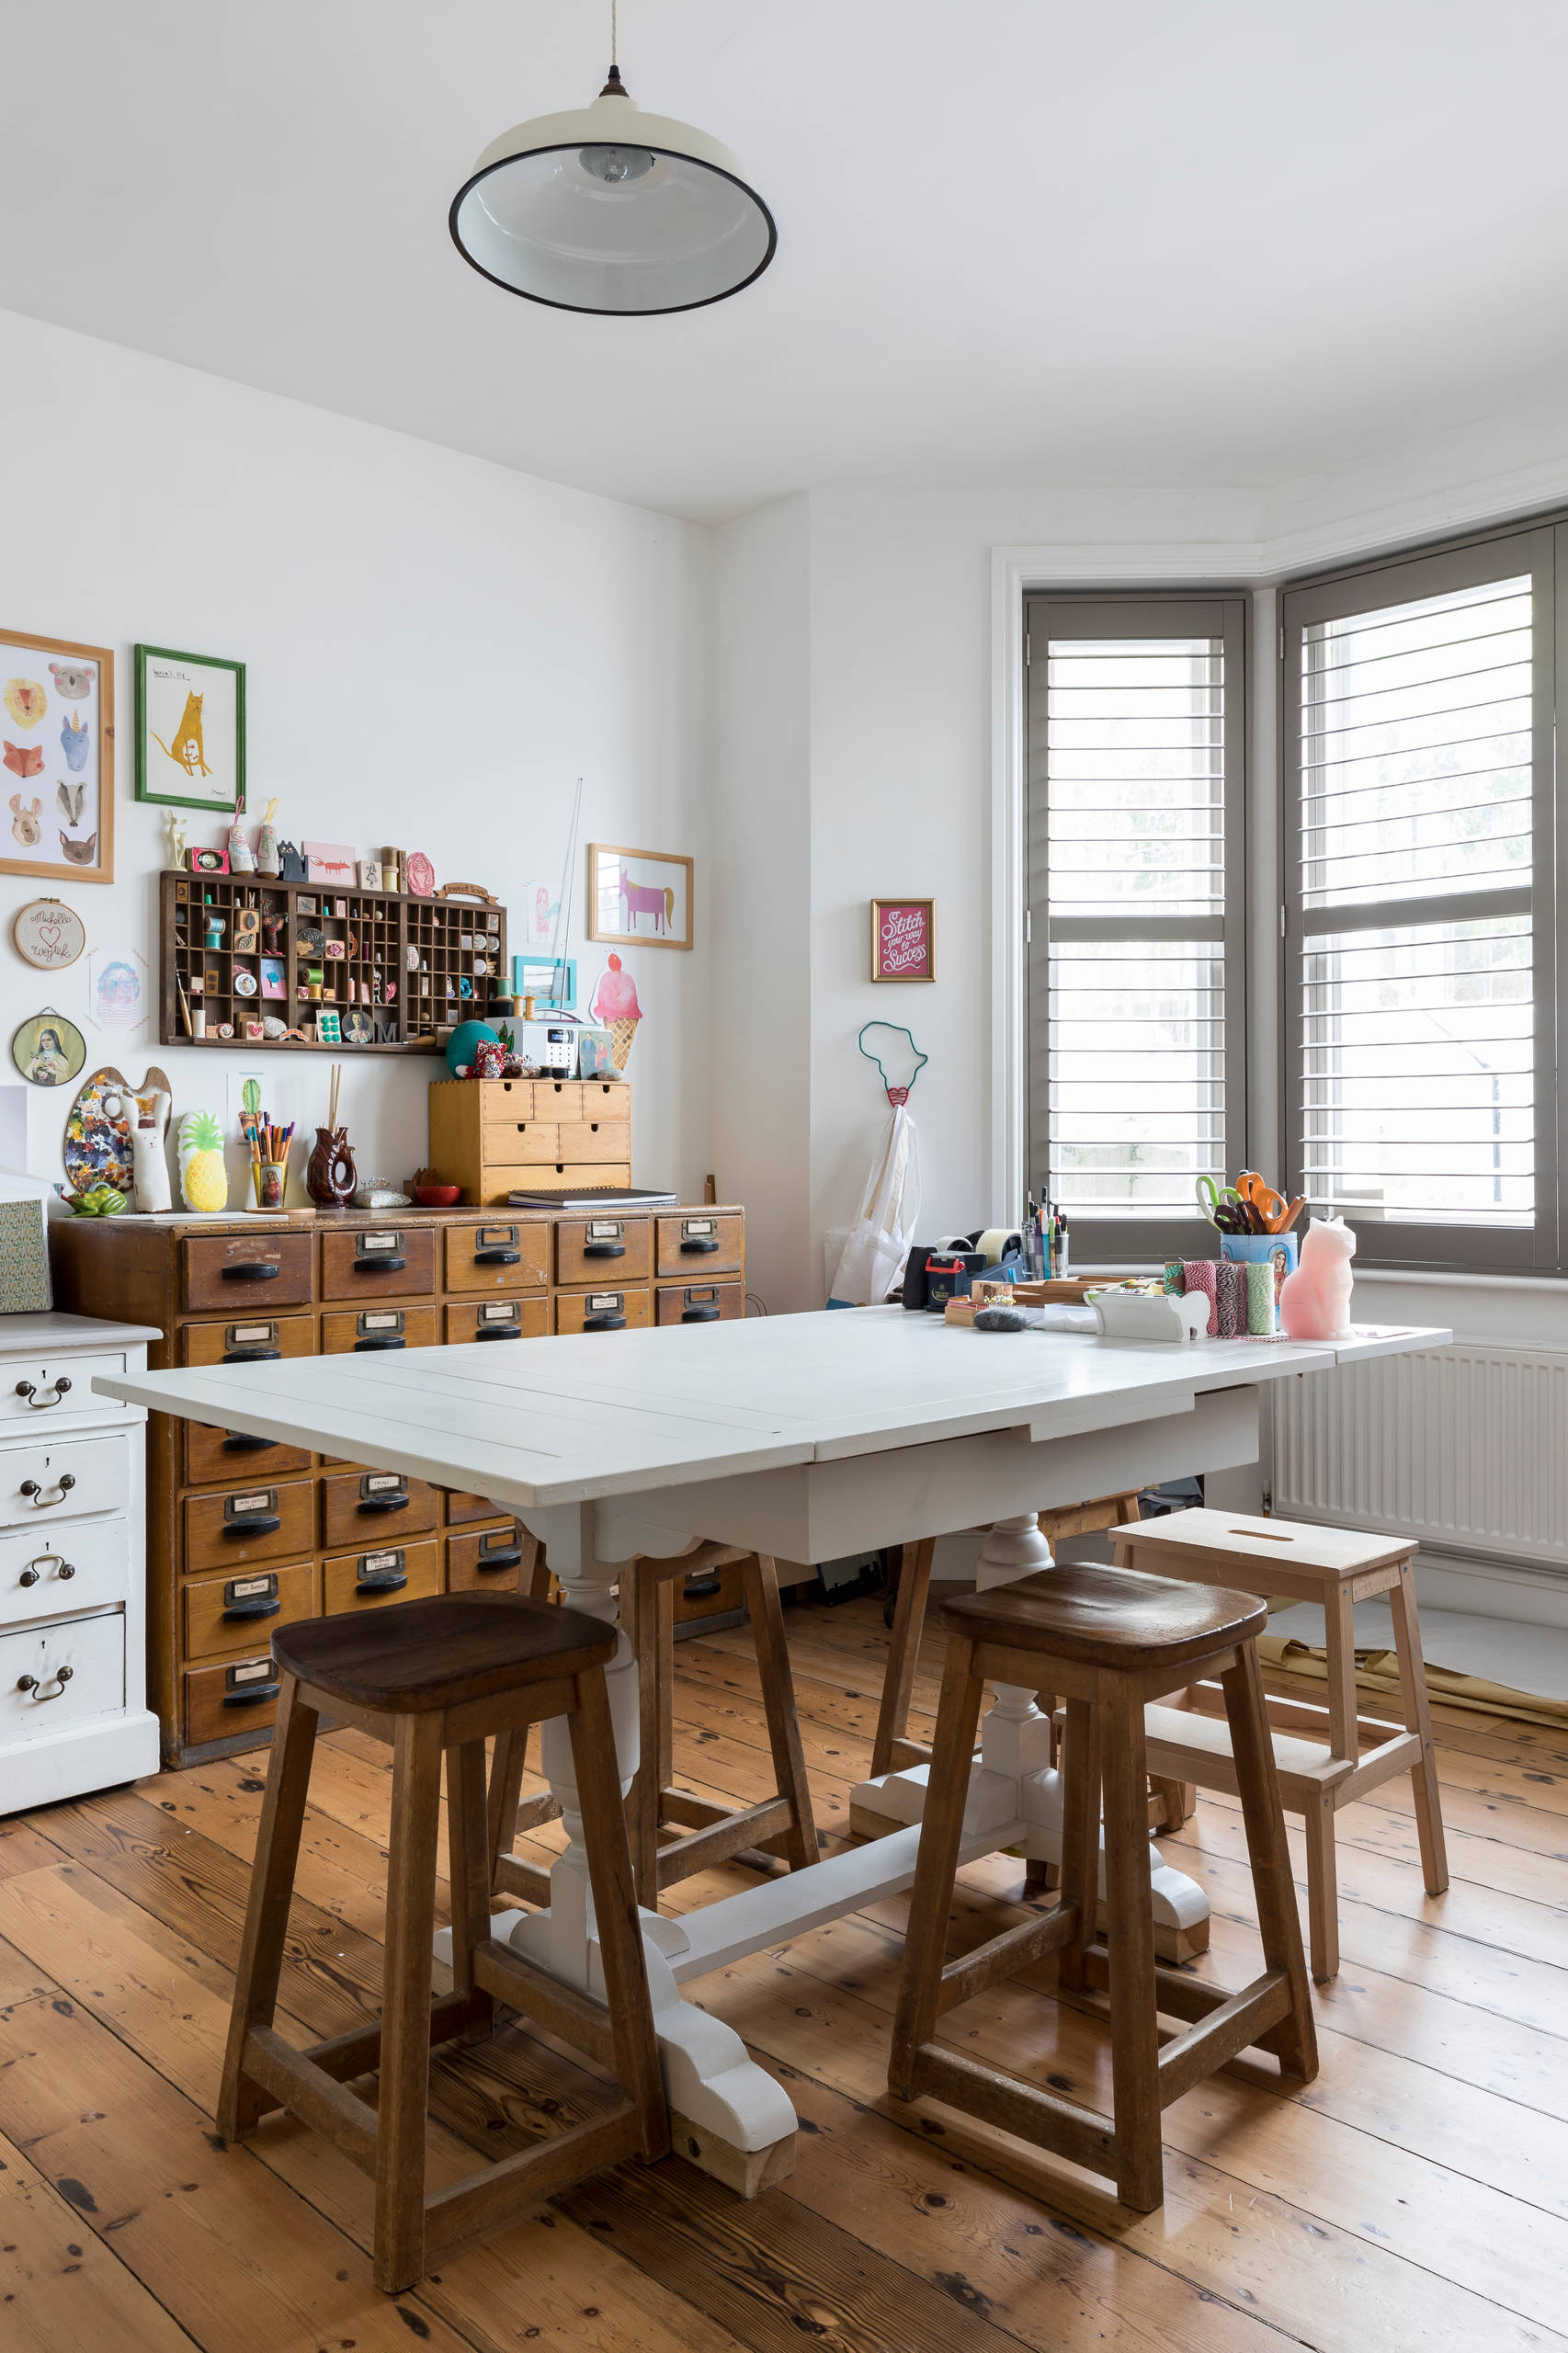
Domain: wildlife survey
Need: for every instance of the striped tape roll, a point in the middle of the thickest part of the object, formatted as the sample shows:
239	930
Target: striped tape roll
1260	1300
1200	1274
1230	1300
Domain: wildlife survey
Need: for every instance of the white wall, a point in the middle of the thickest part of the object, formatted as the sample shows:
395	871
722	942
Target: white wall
435	648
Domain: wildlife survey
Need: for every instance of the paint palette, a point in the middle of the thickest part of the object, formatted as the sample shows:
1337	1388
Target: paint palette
97	1129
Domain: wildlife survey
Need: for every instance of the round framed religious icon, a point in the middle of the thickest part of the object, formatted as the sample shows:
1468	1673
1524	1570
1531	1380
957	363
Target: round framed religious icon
358	1028
49	1049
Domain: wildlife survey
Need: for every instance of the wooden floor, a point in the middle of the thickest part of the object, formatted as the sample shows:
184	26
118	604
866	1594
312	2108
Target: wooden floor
1414	2196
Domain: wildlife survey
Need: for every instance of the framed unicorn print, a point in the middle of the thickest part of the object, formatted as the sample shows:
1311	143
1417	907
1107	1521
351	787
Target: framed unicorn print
57	742
639	898
190	729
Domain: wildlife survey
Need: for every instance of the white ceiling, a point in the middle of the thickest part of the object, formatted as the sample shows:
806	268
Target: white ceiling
1152	243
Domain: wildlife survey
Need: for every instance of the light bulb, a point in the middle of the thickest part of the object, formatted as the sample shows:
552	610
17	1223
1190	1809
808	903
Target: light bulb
616	165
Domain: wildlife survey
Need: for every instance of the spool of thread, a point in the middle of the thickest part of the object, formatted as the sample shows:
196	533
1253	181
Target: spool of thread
1231	1298
1201	1274
1175	1281
1260	1300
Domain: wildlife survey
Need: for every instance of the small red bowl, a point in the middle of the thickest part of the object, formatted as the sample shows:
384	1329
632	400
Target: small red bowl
437	1196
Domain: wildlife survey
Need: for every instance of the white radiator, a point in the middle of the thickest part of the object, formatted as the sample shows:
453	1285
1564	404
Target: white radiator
1465	1448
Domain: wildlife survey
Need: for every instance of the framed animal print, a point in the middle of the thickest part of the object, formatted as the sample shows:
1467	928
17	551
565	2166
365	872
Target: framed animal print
190	729
639	898
57	744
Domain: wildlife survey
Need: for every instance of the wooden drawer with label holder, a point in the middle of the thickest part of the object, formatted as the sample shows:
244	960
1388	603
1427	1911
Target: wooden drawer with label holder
386	1572
497	1319
252	1282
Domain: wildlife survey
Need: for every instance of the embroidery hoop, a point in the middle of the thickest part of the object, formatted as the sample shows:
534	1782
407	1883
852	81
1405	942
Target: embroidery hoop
897	1096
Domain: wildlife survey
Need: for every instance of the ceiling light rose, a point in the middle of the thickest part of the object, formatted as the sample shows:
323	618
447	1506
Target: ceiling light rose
610	210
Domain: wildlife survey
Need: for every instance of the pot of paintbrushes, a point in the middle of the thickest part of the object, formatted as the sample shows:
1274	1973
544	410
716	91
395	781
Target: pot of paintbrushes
331	1176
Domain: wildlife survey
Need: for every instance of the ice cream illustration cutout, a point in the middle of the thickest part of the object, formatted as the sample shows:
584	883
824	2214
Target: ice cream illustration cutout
614	1004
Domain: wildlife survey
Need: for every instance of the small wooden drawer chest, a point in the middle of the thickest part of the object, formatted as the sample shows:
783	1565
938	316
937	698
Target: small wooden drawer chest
245	1536
519	1135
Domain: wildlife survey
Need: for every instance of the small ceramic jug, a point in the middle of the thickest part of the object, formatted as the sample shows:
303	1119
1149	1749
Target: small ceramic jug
331	1176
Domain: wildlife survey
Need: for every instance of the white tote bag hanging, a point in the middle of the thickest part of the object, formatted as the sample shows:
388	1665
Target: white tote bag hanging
880	1239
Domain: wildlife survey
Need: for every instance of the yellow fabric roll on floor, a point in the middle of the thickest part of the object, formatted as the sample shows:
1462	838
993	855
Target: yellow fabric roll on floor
1377	1672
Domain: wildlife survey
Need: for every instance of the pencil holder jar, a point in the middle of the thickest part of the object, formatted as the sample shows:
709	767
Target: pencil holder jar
268	1178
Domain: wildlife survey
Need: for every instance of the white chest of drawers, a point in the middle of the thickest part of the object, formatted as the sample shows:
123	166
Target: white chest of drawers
73	1714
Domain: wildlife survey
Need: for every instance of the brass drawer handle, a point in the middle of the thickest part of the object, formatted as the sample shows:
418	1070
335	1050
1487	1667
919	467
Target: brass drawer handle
39	1501
252	1270
36	1567
31	1683
37	1405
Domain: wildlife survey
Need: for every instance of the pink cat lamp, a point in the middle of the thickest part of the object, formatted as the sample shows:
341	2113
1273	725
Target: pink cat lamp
1316	1302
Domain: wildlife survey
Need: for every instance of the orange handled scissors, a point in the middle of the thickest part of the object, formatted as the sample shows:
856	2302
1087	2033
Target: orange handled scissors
1271	1210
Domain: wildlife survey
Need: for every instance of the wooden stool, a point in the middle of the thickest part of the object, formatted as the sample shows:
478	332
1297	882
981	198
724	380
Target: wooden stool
431	1677
1110	1641
1317	1750
781	1824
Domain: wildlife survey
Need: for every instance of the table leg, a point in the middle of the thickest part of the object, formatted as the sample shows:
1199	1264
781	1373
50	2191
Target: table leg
1014	1777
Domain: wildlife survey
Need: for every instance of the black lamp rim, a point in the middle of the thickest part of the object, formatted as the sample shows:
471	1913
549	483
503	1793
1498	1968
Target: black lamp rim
595	310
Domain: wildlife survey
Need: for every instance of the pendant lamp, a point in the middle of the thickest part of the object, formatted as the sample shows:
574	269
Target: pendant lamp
610	209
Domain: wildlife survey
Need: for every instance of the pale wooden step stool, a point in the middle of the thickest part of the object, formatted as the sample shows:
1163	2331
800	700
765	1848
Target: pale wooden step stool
1317	1750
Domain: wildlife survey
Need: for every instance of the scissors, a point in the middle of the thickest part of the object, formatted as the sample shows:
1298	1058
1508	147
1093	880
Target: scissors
1222	1206
1271	1210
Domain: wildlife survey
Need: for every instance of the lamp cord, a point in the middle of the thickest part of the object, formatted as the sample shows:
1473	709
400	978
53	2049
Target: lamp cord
614	33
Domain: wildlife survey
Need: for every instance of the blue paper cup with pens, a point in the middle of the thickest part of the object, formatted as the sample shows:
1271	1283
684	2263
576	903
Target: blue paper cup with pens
1275	1254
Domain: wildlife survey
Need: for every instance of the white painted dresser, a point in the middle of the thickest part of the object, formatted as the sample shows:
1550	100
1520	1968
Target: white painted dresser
74	1712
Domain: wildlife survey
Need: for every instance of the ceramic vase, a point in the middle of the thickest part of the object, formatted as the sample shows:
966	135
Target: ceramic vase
331	1176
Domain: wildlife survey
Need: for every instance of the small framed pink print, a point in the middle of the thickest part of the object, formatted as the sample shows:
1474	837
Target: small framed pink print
904	939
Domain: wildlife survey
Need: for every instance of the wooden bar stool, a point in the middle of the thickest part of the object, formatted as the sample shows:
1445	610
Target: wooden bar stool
433	1677
1109	1640
1317	1750
781	1824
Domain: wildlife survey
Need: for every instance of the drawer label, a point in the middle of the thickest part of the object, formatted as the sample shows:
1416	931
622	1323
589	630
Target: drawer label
381	1482
250	1335
389	1320
501	1311
379	1241
606	1229
251	1588
371	1562
706	1296
697	1224
495	1237
603	1299
256	1670
499	1540
240	1507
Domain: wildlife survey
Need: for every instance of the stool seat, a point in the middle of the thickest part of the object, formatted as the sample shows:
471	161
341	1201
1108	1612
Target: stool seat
1114	1618
433	1653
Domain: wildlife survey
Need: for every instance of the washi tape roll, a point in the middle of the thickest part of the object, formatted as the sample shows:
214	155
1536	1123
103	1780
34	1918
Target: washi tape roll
1200	1274
1230	1300
1175	1281
1260	1300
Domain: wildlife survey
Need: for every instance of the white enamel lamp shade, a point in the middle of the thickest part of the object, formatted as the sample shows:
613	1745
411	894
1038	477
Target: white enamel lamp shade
607	208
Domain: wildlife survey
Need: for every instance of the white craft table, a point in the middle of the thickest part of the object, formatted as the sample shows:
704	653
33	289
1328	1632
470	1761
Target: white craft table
805	1436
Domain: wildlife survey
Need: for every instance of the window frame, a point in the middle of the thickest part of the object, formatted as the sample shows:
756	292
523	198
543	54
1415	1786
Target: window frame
1119	1237
1539	550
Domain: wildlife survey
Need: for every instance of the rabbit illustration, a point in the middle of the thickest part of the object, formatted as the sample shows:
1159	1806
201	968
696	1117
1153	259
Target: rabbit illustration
25	823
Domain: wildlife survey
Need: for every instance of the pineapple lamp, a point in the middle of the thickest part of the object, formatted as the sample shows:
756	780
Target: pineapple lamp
610	210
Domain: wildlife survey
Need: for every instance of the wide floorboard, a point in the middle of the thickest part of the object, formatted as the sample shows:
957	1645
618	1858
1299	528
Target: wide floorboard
1415	2195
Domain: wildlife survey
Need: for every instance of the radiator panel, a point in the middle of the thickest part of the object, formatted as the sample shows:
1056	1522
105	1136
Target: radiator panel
1465	1448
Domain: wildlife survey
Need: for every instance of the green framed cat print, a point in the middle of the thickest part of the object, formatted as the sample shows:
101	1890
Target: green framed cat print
190	729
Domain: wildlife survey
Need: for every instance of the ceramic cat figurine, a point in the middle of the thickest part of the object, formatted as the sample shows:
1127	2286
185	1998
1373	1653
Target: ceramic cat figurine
149	1158
1316	1302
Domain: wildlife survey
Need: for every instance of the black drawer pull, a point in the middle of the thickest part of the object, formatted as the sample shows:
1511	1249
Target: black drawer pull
603	1323
499	1332
265	1523
252	1356
499	1560
698	1249
604	1249
241	1442
383	1503
496	1258
39	1501
251	1696
252	1610
37	1405
381	1340
251	1271
702	1588
379	1266
388	1581
700	1315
